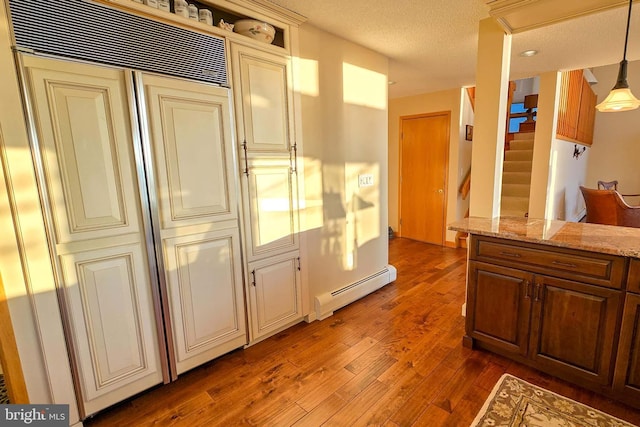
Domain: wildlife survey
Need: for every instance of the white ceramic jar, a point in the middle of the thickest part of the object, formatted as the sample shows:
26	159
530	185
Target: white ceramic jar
164	5
206	17
193	11
181	7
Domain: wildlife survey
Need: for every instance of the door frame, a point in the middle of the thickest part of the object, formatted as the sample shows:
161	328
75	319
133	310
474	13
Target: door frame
445	206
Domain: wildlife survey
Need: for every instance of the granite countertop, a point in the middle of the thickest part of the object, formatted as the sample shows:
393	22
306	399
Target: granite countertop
623	241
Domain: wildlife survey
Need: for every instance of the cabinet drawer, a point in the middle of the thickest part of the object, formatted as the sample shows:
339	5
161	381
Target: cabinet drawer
598	269
633	283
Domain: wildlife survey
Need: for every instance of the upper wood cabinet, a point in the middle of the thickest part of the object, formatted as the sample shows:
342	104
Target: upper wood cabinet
576	109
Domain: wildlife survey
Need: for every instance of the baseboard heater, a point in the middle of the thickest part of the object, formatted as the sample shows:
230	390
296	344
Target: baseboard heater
326	303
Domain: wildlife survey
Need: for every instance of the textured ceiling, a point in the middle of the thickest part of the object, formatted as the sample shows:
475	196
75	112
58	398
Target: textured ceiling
432	44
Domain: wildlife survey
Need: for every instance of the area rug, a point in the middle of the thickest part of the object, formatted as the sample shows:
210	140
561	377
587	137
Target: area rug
516	403
4	397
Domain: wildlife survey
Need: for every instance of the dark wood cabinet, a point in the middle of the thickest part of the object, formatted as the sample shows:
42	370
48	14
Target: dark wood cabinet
572	329
626	381
551	308
633	281
499	306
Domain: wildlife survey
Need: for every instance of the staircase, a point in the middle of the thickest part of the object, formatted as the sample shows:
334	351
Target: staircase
516	176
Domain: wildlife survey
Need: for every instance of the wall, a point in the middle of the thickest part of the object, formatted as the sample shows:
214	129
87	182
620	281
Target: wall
449	100
343	95
616	142
27	276
567	174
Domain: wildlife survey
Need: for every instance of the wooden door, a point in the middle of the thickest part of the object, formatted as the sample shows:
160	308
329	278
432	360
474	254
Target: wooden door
190	141
626	381
582	349
274	293
263	104
499	306
86	146
424	151
271	215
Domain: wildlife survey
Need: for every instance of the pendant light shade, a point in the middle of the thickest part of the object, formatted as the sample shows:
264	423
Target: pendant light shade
620	98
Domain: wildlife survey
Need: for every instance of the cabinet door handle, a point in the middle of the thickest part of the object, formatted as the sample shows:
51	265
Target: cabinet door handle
537	292
246	159
299	265
294	161
511	254
527	293
253	278
564	264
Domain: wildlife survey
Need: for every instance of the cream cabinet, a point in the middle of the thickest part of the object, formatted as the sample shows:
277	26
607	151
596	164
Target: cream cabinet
189	138
275	294
91	194
127	299
263	100
270	205
269	182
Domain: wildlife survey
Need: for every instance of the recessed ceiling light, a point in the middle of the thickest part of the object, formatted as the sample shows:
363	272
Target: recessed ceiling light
391	82
531	52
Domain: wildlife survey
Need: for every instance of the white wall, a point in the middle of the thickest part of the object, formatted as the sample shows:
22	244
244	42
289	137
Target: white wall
343	92
459	149
567	174
615	153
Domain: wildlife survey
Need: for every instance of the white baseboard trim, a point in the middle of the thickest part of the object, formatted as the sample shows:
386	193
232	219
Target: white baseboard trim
326	303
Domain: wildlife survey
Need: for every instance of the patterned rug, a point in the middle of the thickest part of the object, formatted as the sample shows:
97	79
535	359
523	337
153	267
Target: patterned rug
4	398
516	403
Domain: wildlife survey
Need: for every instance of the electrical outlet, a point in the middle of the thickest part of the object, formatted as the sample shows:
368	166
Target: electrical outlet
365	180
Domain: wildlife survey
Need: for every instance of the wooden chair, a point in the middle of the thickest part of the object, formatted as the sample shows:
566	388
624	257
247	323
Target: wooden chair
608	185
608	207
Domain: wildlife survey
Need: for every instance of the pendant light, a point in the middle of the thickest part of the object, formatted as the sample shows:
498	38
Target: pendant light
620	98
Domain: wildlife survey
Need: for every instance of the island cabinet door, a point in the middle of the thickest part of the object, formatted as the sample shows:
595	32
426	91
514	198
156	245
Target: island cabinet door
499	307
627	373
572	329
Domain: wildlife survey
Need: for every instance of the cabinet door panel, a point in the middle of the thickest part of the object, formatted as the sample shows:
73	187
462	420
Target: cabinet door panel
191	136
86	144
271	194
498	306
583	344
109	299
262	99
205	283
276	299
627	374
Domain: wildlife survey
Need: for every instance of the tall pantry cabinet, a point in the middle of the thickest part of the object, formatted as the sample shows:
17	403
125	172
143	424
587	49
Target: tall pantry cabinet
87	136
268	167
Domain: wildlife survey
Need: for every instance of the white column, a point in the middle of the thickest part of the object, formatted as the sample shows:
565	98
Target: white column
492	81
546	123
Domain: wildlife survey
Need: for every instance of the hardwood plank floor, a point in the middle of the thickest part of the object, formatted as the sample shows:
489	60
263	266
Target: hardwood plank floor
393	358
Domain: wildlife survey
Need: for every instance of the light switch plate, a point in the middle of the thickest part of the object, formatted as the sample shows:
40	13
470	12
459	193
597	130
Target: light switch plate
365	180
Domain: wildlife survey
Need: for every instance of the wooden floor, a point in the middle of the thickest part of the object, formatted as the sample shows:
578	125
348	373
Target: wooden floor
394	358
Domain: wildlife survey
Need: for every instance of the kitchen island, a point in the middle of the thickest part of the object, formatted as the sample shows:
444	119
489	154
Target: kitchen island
558	296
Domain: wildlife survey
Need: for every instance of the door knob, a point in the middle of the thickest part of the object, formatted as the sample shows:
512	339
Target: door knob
440	191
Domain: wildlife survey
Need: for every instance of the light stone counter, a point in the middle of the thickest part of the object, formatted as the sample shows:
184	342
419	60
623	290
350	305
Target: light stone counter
607	239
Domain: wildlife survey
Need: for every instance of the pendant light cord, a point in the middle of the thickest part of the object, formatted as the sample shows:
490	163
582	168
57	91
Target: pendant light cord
626	38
